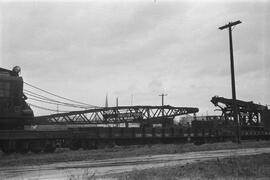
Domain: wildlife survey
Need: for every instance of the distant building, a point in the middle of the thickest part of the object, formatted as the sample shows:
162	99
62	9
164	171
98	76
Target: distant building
186	120
207	118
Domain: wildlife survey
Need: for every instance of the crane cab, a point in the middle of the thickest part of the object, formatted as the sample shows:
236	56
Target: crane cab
14	111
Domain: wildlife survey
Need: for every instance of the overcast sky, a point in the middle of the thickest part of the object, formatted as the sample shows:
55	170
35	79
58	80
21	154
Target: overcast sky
85	50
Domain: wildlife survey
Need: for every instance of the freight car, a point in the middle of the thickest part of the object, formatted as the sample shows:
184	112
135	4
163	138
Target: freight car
97	137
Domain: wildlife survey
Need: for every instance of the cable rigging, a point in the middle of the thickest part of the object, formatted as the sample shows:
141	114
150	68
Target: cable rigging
44	99
54	103
59	96
43	108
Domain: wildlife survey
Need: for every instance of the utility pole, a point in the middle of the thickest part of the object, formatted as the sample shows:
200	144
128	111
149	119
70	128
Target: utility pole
162	96
162	102
235	113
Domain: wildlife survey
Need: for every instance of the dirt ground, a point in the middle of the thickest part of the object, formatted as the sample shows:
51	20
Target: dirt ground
233	167
107	162
64	155
109	167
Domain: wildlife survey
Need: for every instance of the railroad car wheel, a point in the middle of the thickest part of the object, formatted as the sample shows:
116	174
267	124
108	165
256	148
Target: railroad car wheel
105	144
6	150
9	147
36	147
86	145
74	145
50	147
101	145
111	144
198	142
22	147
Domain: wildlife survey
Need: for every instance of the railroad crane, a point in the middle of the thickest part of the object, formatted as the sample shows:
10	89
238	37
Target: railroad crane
16	115
96	127
15	112
249	113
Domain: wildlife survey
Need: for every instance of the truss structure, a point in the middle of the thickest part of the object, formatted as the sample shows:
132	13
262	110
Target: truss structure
249	113
121	114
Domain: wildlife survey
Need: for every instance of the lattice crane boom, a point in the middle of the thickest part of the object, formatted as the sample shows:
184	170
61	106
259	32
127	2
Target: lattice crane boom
120	114
249	112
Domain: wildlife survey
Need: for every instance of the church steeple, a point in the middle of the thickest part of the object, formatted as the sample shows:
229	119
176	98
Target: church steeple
106	101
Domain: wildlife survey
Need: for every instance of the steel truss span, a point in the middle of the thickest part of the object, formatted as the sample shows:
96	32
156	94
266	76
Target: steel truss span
121	114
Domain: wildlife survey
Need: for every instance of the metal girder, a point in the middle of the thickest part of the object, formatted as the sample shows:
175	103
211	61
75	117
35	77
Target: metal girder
111	115
249	112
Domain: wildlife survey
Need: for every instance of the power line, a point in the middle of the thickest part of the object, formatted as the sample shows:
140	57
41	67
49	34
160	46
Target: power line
59	96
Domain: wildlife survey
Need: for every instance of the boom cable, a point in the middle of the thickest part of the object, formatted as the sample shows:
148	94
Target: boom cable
43	108
59	96
45	99
48	102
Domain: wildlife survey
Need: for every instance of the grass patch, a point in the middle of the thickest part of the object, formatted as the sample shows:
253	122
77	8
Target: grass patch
242	167
86	175
64	155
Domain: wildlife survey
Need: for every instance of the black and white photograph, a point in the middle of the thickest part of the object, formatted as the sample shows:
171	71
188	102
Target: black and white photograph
134	89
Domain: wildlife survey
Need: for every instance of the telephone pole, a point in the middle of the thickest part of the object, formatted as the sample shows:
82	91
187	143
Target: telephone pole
162	102
235	113
162	98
